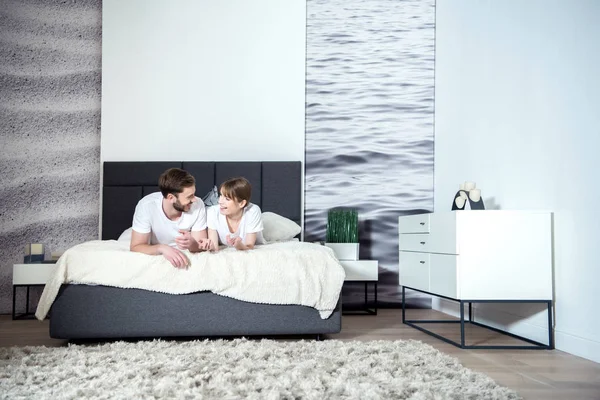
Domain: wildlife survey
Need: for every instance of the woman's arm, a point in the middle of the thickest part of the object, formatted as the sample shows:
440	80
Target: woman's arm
213	235
247	243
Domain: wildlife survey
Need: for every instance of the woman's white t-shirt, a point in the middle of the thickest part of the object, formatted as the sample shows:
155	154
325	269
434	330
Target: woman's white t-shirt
150	217
251	223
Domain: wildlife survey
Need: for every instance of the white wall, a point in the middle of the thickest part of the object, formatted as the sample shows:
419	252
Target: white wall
516	110
198	80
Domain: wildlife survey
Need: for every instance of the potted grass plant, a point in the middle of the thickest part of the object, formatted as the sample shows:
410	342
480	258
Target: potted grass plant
342	233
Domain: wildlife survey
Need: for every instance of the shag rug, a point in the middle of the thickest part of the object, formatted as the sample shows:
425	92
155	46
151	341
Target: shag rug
241	369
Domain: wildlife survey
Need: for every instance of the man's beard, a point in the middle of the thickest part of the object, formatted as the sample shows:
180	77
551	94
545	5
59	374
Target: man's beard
178	206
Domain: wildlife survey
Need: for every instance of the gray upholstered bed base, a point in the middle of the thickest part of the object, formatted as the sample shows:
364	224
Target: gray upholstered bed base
100	312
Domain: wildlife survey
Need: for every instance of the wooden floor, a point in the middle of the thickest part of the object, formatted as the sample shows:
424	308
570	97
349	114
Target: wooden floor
534	374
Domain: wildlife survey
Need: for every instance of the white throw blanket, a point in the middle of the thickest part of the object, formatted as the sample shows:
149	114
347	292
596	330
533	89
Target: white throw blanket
281	273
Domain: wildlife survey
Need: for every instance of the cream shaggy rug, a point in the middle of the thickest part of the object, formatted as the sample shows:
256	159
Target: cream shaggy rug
241	369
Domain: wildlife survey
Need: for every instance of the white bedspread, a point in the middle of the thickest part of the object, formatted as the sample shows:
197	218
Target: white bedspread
281	273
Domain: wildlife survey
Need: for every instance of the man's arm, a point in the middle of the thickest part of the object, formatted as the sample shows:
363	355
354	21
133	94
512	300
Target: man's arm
139	244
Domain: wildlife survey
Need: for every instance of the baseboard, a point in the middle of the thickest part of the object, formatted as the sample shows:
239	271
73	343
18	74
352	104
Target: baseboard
581	347
577	346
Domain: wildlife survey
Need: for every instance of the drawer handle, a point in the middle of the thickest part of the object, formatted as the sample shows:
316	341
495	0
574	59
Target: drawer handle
422	242
422	262
422	223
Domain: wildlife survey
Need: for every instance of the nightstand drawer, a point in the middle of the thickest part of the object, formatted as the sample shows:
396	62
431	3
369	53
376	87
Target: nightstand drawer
414	270
361	270
414	223
32	274
443	275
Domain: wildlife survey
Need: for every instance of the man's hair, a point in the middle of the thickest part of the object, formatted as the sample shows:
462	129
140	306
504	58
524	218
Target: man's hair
236	188
174	180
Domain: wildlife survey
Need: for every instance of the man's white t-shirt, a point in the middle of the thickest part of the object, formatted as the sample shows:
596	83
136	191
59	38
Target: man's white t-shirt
251	223
150	217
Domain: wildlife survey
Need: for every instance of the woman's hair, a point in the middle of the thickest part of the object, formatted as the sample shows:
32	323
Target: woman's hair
236	188
174	180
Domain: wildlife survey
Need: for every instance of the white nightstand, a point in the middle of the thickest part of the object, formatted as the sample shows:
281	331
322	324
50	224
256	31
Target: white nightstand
478	256
363	271
27	275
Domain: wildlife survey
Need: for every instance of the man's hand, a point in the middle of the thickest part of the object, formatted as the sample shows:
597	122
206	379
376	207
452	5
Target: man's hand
175	257
185	241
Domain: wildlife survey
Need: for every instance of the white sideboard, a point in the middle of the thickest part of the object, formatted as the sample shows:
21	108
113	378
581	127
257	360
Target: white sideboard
478	254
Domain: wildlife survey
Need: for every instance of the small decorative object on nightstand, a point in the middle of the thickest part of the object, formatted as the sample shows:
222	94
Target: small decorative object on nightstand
342	233
27	275
34	253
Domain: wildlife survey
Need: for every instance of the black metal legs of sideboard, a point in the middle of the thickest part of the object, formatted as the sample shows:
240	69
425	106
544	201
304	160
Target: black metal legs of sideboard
533	344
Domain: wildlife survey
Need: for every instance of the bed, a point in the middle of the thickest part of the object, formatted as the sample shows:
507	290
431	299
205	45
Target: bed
104	312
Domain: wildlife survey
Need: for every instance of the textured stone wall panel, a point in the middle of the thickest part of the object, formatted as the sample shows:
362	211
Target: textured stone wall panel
50	87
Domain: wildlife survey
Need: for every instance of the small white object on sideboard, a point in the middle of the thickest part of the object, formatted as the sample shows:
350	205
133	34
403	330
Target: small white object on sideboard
483	254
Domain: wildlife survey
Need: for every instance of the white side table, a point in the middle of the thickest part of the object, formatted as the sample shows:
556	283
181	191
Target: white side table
27	275
363	271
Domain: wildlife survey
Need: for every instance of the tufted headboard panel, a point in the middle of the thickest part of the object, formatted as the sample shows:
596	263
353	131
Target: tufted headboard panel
276	186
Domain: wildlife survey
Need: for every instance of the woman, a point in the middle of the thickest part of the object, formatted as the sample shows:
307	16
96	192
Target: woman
235	221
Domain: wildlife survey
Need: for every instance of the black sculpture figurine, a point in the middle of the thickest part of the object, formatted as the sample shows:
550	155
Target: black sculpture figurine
468	194
475	200
460	200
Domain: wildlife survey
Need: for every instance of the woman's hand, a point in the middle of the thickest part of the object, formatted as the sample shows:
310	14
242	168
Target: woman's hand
231	240
238	244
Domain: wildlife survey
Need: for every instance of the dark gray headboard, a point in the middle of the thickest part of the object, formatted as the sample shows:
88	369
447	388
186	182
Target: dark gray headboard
276	186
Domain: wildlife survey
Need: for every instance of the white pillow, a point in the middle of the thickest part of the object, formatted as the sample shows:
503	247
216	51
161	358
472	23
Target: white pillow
125	236
277	228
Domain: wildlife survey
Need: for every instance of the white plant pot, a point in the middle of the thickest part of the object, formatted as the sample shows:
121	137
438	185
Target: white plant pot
345	251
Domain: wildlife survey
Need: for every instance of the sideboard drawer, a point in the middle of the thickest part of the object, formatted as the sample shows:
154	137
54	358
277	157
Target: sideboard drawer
443	275
414	242
435	242
413	223
414	270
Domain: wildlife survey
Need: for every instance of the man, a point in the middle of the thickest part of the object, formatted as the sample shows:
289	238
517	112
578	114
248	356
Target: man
171	220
